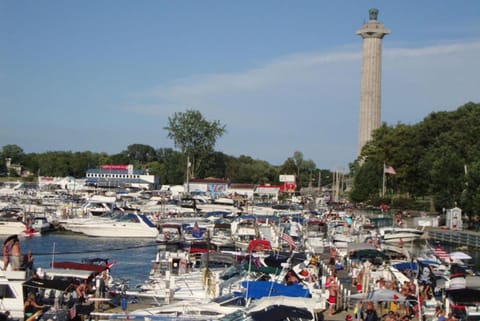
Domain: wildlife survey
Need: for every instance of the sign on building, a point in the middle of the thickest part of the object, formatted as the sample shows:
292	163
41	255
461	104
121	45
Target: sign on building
287	178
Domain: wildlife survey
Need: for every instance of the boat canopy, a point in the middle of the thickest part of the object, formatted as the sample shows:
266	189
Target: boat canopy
60	285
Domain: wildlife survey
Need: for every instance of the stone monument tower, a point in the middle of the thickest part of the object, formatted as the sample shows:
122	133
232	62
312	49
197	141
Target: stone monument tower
372	33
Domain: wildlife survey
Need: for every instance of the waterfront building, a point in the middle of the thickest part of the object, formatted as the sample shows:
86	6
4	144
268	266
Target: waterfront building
121	176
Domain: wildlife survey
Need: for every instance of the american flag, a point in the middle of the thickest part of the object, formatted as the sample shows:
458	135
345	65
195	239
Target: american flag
196	228
72	312
287	238
389	170
196	232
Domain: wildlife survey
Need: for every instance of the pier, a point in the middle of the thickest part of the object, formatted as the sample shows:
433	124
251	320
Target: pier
458	237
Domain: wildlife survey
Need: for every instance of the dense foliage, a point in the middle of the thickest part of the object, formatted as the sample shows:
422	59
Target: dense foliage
438	158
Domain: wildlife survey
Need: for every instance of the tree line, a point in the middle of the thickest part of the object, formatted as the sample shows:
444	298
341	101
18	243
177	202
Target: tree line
194	137
436	159
170	165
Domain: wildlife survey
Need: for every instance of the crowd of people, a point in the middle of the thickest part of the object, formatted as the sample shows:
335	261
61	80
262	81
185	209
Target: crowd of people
367	311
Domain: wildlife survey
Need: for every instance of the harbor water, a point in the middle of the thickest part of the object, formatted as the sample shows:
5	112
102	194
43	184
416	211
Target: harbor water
133	257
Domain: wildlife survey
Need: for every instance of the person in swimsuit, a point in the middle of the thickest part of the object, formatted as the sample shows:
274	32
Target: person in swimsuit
6	253
332	294
31	306
16	255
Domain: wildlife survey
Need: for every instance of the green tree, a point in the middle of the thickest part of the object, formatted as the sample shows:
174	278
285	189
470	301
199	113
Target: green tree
214	165
140	154
171	172
194	136
471	197
305	171
14	152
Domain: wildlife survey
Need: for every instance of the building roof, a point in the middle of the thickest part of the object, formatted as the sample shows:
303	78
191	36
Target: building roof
208	180
242	186
114	171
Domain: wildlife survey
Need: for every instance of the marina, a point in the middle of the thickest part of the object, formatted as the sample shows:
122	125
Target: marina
140	264
221	257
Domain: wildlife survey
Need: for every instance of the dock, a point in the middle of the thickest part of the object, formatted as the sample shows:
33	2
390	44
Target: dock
459	237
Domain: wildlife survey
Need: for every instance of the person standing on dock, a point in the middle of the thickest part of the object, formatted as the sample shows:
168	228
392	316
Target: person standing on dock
331	284
333	259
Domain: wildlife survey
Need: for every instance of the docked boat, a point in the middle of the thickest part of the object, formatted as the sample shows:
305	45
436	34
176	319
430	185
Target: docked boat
41	223
463	303
11	284
12	227
175	277
278	308
129	225
52	291
315	240
390	234
170	237
99	205
244	230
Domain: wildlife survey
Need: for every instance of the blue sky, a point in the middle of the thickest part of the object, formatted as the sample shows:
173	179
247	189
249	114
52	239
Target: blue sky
283	76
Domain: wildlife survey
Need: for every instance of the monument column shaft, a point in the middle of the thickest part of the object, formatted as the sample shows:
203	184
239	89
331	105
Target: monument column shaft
372	33
370	89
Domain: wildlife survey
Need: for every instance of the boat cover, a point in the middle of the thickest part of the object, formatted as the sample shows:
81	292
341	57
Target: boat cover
97	268
260	289
281	312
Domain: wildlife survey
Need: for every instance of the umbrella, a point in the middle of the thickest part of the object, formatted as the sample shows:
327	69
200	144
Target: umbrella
10	238
460	256
379	295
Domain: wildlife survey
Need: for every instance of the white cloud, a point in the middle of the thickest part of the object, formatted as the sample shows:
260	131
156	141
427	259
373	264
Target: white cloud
315	95
438	50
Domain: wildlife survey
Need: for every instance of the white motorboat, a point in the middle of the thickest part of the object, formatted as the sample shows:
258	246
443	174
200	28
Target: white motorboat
170	237
390	234
174	278
129	225
98	205
41	223
191	309
12	227
11	188
75	224
244	230
11	285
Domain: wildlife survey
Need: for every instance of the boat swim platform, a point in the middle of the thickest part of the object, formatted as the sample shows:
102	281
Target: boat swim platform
462	237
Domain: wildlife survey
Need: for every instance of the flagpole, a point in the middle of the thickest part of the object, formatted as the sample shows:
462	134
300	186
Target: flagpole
383	182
